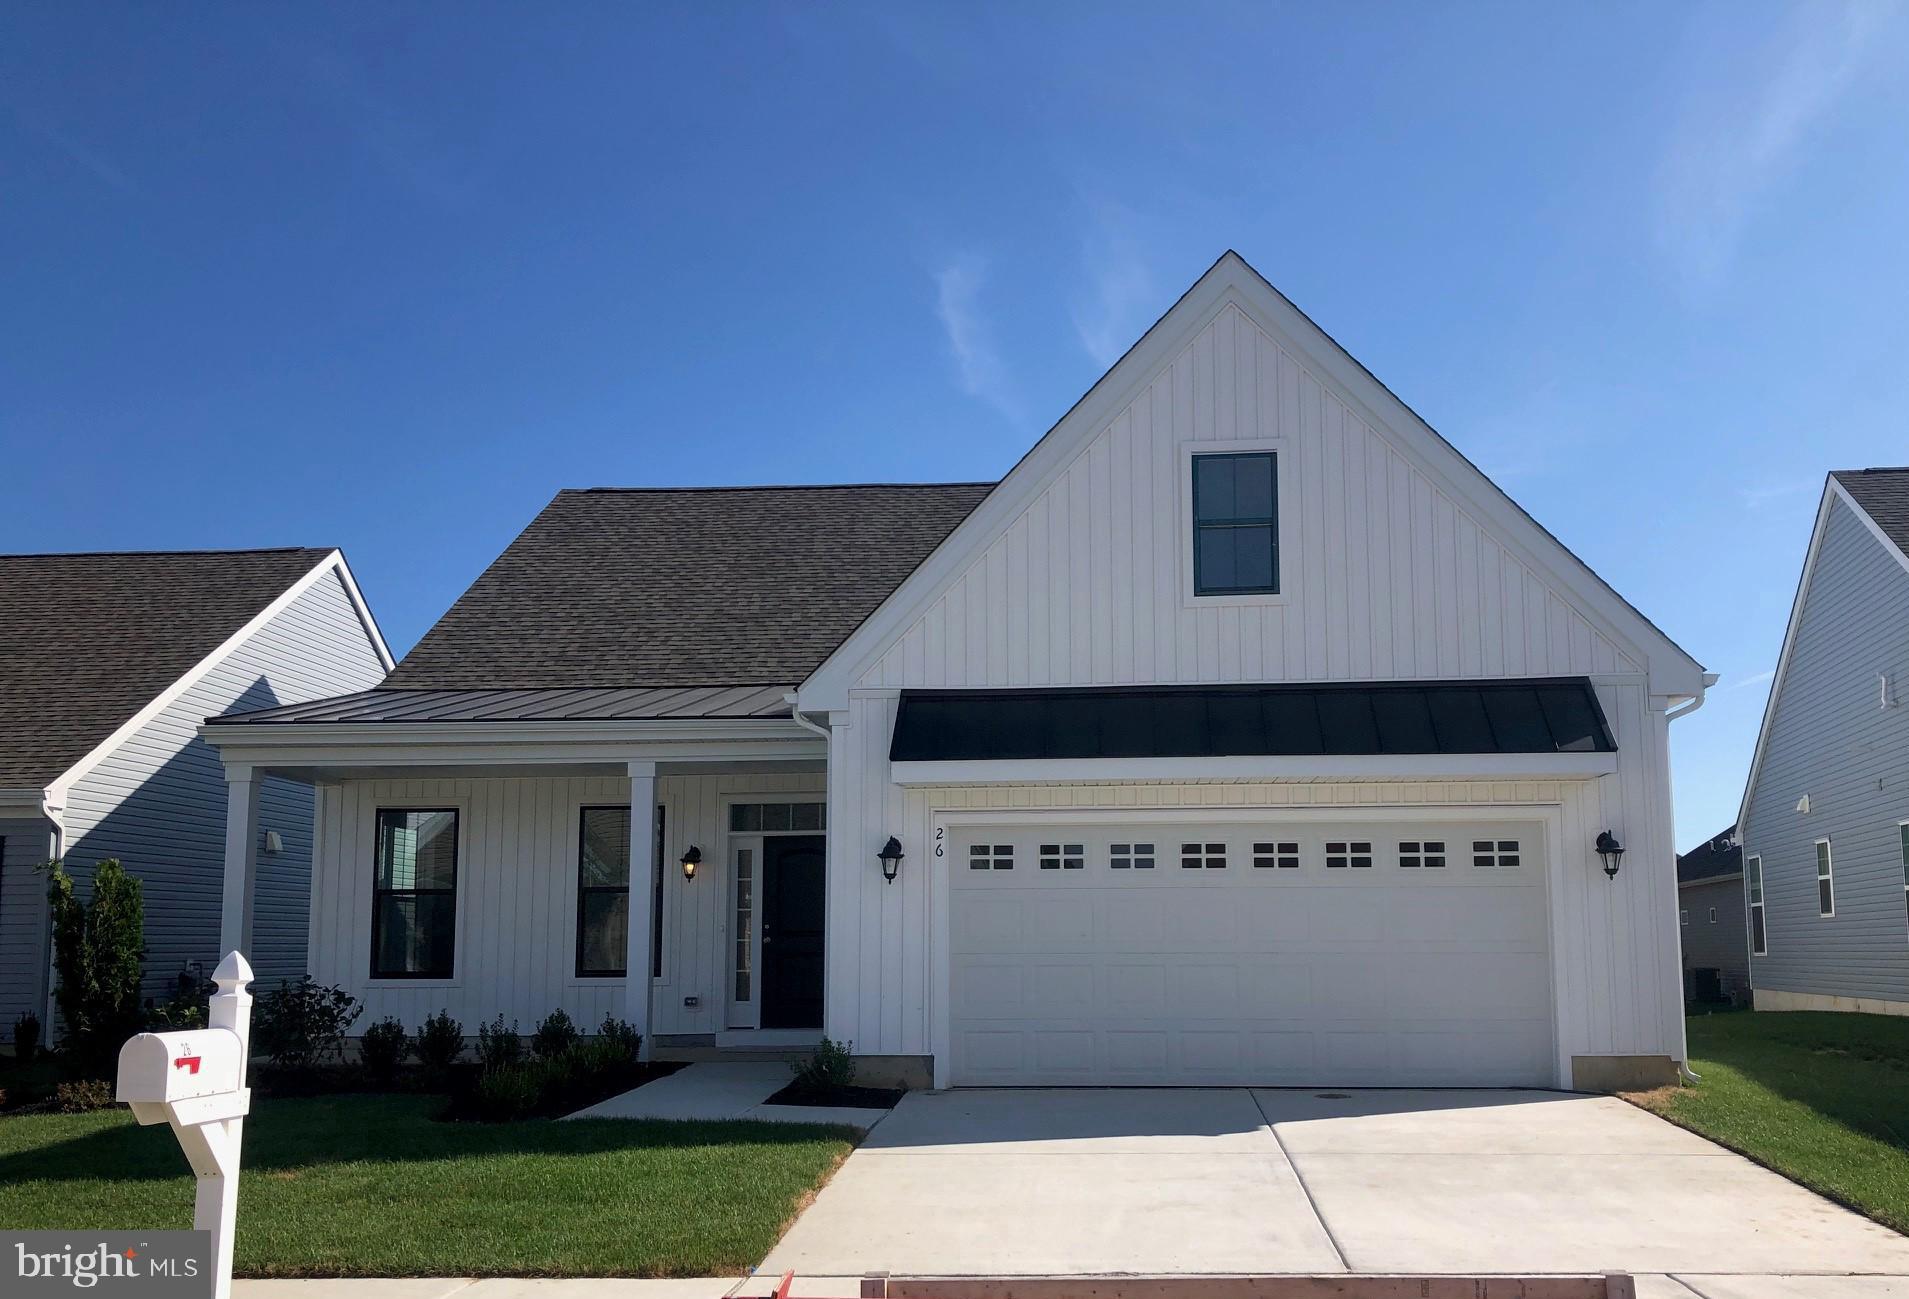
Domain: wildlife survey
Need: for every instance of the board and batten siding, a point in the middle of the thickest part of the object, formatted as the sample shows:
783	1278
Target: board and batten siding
1384	576
1617	955
157	802
25	845
1834	736
515	950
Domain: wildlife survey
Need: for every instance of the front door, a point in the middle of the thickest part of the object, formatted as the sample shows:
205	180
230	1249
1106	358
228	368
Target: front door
792	908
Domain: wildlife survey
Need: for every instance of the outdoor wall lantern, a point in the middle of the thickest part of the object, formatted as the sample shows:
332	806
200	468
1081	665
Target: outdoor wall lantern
691	860
891	858
1611	851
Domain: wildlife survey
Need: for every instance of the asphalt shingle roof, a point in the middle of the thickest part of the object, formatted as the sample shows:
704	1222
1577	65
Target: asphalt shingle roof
684	586
1721	854
87	640
1884	496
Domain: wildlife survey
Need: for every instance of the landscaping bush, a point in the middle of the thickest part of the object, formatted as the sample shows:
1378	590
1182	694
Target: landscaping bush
439	1043
510	1092
98	949
26	1037
498	1046
382	1050
549	1086
81	1095
185	1008
831	1065
622	1034
557	1034
298	1025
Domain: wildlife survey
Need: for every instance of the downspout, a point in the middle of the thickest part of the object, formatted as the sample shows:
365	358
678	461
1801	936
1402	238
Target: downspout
1691	705
807	725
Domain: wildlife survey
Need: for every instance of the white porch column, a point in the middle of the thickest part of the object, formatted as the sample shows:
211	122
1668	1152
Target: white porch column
642	892
241	859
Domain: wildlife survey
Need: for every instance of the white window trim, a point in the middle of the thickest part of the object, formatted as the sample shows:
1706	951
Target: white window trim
1713	915
1285	467
1902	861
1825	874
1753	871
459	966
1683	915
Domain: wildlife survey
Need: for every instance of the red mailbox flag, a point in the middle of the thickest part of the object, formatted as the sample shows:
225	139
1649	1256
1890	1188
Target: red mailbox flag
190	1063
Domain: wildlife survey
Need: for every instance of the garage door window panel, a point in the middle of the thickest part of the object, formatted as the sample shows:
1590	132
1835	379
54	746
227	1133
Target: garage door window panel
999	857
1348	854
1130	856
1495	854
1062	856
1203	856
1280	854
1421	854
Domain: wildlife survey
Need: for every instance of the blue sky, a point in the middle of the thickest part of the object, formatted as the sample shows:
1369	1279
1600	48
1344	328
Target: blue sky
386	277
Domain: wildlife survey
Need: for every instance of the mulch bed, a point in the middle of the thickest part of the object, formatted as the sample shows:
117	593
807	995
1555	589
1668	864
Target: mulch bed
865	1098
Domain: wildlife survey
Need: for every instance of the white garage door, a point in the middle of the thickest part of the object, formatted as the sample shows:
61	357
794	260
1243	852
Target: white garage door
1369	954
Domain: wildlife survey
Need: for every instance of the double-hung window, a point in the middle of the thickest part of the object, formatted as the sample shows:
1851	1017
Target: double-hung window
1753	879
1825	886
1902	840
1236	524
603	892
414	894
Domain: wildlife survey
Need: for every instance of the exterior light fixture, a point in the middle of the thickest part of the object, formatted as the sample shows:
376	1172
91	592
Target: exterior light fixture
1611	851
891	858
691	860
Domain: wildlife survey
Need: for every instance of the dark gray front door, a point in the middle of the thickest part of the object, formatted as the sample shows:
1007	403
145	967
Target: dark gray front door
792	910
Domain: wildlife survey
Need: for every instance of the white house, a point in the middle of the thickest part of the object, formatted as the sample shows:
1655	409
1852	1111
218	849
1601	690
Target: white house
110	662
1243	733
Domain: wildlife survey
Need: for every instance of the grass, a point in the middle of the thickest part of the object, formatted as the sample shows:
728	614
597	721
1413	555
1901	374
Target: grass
1821	1098
371	1186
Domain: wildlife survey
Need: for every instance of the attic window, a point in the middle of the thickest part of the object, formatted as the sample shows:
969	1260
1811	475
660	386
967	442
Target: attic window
1236	524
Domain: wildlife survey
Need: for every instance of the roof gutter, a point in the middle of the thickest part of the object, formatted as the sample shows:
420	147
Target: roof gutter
1695	702
795	713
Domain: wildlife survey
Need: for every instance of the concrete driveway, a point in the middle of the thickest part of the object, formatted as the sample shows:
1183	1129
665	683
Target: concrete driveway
1169	1181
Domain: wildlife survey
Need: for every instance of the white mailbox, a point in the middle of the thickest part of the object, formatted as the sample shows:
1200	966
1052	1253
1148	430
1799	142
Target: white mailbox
179	1066
195	1081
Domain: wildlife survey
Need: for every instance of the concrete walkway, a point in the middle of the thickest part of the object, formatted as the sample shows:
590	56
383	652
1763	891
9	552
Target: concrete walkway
723	1090
1176	1182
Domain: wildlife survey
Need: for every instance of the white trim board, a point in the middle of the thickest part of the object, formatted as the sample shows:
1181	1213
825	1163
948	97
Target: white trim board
1231	281
332	562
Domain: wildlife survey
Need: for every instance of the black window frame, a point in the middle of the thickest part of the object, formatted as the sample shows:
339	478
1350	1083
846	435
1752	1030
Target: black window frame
585	891
1202	525
379	894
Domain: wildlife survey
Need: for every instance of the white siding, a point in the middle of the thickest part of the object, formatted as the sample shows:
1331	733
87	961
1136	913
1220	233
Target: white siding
1386	577
1616	943
517	898
157	803
25	844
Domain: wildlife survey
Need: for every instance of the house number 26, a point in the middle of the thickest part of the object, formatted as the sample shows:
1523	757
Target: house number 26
940	834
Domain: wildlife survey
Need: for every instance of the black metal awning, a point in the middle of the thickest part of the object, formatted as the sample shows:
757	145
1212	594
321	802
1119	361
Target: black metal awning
1549	715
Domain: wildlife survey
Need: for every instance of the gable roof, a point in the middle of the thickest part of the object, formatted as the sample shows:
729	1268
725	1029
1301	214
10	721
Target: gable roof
1883	494
718	586
1717	856
91	639
1231	280
1879	499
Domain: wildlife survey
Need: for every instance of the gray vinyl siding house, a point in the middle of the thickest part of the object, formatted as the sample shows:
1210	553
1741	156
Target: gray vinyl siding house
1710	921
134	781
1825	862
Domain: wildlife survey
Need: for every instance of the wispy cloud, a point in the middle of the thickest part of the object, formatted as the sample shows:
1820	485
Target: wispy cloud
1120	289
1744	683
978	361
1736	143
1766	493
102	168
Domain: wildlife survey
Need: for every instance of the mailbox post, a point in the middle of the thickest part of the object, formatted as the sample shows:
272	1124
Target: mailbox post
195	1081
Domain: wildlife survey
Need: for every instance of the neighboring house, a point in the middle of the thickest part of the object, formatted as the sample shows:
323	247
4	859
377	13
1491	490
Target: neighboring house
1710	917
1825	814
110	663
1244	733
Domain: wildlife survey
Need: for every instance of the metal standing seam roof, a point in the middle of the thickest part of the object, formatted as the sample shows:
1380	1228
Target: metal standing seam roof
1552	715
574	704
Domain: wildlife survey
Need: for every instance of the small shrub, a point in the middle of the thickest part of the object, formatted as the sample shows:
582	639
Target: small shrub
382	1050
622	1035
26	1037
831	1065
98	952
298	1025
510	1092
439	1044
498	1046
82	1095
185	1008
557	1034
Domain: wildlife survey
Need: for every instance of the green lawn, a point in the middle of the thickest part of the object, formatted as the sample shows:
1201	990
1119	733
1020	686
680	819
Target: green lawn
1821	1098
370	1186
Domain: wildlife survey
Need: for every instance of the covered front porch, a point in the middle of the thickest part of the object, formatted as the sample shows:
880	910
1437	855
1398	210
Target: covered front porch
668	870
